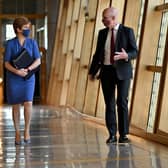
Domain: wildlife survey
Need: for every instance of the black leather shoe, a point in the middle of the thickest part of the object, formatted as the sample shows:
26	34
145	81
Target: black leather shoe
124	139
111	139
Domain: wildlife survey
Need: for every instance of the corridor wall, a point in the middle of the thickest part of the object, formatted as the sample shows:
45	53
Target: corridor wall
78	25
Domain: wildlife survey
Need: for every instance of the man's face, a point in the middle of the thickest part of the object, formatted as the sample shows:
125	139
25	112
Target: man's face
109	19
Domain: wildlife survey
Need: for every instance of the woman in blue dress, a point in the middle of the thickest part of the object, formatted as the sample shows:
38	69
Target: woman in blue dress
18	90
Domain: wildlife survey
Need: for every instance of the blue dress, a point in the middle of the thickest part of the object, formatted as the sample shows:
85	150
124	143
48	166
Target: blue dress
19	90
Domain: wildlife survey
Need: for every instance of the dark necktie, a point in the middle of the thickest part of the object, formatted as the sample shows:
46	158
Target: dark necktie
112	47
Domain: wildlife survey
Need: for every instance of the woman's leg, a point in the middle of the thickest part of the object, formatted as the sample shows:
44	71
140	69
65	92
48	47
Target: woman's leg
16	121
27	118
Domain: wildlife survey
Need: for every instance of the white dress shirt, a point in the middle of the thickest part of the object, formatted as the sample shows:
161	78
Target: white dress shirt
108	44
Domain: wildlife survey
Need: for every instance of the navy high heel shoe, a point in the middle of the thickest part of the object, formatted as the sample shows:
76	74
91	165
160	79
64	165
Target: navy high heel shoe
27	141
18	142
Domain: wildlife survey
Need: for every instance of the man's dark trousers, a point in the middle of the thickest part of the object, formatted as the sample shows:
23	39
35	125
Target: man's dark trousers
110	82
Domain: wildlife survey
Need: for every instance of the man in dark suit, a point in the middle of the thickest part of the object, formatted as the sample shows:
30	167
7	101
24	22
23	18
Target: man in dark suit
116	47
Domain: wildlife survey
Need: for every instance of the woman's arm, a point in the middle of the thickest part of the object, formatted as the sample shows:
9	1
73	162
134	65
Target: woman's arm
21	72
35	64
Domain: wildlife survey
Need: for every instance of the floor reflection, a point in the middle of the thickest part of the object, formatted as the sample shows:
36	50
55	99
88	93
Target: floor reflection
23	157
60	138
27	156
120	156
17	156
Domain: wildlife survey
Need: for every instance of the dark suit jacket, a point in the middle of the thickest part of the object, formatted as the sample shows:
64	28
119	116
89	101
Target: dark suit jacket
125	39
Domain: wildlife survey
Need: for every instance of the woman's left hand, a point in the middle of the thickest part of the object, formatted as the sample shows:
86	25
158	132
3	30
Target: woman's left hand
22	72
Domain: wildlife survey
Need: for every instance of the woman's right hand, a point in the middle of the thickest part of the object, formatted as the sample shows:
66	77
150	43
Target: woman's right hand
22	72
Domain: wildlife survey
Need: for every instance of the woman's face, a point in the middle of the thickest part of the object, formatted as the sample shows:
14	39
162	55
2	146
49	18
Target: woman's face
27	26
24	27
25	30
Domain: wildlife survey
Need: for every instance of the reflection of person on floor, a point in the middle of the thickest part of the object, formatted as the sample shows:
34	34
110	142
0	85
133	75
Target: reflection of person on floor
27	156
112	157
17	156
116	47
119	156
22	157
18	90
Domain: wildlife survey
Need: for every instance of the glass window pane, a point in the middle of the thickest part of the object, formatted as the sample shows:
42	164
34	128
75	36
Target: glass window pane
138	39
157	76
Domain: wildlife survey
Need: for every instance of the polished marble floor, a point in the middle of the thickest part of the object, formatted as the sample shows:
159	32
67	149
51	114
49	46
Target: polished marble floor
61	138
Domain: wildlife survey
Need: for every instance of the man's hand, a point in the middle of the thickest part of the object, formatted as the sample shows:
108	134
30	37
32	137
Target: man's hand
121	55
91	77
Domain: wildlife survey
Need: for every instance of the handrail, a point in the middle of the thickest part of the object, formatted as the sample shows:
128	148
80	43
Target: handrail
154	68
163	7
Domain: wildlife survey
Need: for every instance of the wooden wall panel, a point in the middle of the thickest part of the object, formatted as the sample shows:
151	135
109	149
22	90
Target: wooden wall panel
57	56
76	10
80	89
93	86
80	31
63	95
76	54
133	10
72	83
85	55
87	43
57	92
58	49
68	64
71	42
69	12
60	57
66	58
61	66
92	8
52	76
83	71
66	40
100	110
63	54
72	36
140	107
119	4
55	77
